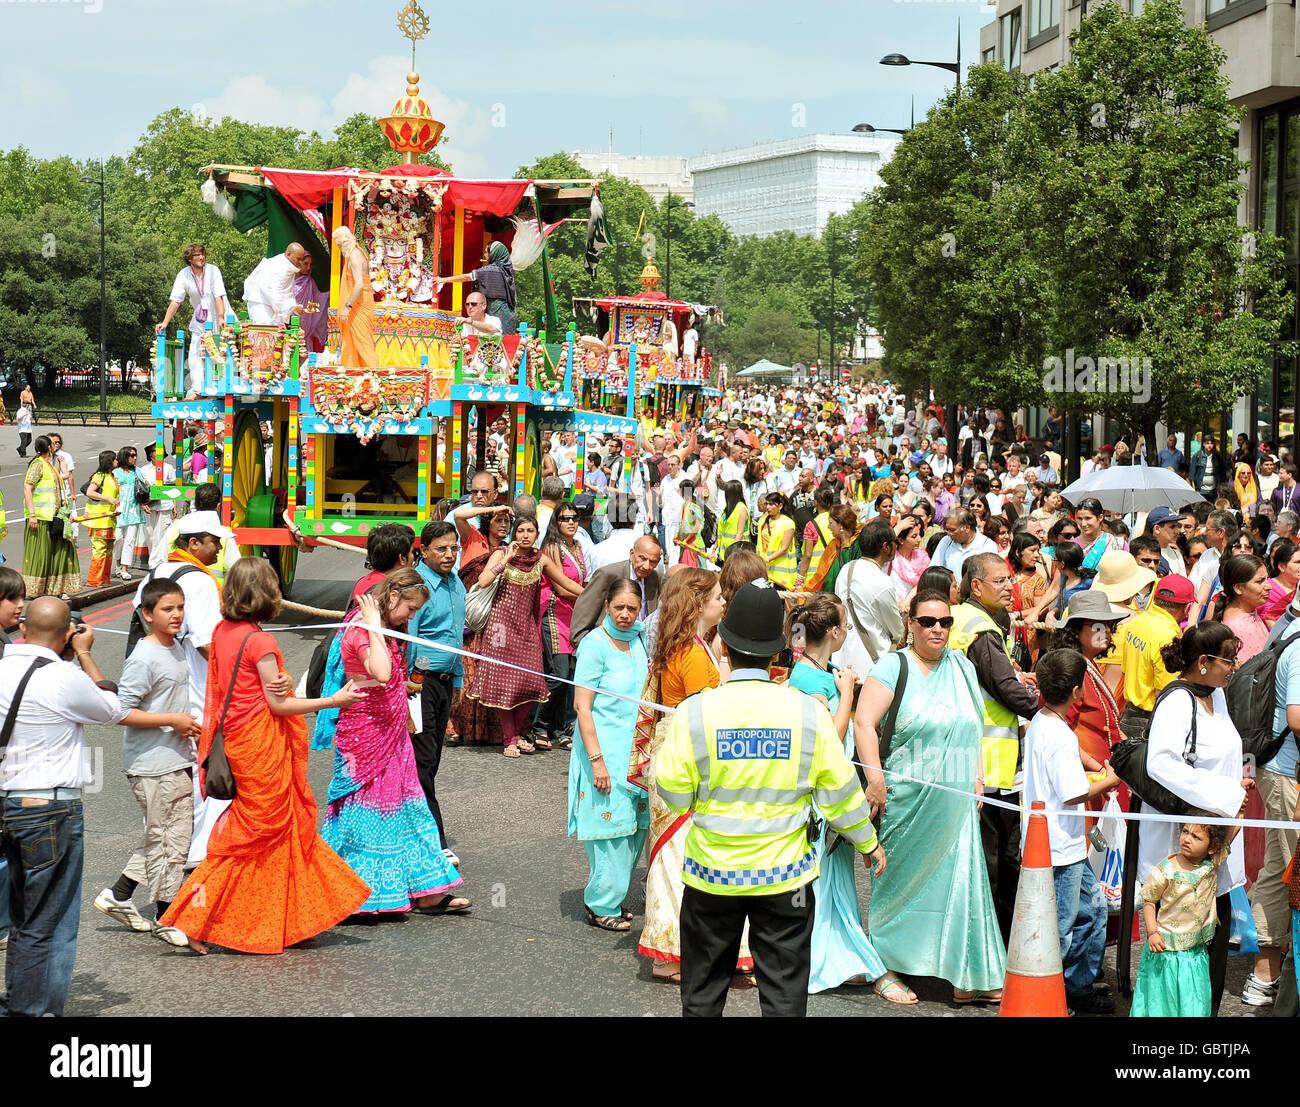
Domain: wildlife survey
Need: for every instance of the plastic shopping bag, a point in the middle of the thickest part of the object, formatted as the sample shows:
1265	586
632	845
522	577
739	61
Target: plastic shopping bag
1245	938
1106	853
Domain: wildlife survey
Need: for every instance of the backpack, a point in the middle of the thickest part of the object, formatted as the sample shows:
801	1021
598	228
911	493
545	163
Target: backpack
708	532
1251	696
138	627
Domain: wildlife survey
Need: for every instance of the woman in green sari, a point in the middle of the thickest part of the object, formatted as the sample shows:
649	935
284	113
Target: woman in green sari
931	913
50	566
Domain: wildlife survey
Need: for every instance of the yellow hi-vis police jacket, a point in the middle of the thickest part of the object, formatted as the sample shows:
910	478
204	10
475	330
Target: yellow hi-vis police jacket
749	759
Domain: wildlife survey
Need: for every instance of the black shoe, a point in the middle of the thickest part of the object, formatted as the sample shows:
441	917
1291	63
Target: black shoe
1091	1003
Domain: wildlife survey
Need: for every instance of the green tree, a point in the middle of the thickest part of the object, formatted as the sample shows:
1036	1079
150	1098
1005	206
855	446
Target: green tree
1137	208
1091	210
49	292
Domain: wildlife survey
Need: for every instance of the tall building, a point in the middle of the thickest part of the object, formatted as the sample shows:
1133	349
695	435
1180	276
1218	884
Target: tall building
1263	71
791	185
658	176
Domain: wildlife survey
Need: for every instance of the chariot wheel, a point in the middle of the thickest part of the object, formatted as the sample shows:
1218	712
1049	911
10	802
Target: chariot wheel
248	492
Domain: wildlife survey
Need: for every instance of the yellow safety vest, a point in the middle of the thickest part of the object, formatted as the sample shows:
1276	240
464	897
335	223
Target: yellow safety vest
748	760
99	515
781	571
45	491
729	532
1001	742
822	525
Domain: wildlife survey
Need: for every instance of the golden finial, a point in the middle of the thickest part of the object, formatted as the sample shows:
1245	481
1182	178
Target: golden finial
413	24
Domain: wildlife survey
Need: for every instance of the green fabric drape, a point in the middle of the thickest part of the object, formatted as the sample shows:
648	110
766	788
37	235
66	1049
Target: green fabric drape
284	224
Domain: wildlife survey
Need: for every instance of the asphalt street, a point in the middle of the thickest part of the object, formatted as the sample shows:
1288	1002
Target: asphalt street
524	950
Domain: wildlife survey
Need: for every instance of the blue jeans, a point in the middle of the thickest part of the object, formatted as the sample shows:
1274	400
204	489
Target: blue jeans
42	843
1081	920
4	896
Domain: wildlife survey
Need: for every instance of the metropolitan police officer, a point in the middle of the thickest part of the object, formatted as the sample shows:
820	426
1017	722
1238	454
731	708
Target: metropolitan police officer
748	759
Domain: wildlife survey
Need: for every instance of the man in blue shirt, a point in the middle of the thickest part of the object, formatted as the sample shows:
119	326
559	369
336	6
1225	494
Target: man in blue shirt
441	620
1171	457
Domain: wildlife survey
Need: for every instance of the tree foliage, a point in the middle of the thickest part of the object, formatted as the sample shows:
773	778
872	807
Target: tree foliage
1092	211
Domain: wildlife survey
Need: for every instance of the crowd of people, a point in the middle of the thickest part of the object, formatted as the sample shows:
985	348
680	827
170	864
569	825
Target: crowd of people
727	614
127	531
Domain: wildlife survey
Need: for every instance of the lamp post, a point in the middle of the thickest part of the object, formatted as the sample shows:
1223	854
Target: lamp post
668	222
830	254
103	300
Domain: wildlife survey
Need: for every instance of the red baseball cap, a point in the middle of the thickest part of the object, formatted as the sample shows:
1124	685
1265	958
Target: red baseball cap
1175	589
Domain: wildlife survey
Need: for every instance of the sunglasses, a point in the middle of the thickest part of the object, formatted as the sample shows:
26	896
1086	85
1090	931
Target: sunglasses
929	622
566	518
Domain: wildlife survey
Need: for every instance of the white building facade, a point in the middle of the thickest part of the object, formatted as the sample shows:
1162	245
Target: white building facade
792	185
658	176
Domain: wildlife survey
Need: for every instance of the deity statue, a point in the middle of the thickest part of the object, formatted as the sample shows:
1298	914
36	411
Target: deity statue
397	270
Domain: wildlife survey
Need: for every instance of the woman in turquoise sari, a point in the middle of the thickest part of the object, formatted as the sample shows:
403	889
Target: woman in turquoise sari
1095	540
841	953
606	814
931	911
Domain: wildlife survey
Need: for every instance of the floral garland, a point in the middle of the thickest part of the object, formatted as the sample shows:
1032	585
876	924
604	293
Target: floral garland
544	374
484	358
362	403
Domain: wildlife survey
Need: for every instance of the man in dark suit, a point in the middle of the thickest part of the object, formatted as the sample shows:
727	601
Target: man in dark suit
642	566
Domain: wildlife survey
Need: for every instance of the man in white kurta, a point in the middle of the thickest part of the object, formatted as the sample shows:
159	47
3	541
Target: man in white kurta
875	623
268	291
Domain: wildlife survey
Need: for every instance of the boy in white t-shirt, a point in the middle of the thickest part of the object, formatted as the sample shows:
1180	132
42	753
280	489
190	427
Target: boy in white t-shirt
1054	773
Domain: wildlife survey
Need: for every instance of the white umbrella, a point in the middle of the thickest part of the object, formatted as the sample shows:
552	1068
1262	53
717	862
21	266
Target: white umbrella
1133	488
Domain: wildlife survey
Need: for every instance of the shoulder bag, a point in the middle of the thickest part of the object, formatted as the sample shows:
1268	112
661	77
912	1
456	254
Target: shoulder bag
12	717
1129	760
478	604
220	781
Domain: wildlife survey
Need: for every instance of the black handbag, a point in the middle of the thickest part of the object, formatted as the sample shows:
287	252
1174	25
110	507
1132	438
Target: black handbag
220	781
1129	760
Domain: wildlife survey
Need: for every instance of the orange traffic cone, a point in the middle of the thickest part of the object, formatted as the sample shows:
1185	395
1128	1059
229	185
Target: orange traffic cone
1035	985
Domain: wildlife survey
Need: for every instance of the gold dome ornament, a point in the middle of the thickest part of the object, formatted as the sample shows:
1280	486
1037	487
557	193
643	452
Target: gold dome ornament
411	129
650	276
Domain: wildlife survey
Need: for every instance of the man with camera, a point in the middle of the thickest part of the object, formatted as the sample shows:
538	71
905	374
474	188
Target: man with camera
45	702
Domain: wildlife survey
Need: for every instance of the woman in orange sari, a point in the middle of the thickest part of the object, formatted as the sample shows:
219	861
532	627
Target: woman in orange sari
268	881
356	305
690	608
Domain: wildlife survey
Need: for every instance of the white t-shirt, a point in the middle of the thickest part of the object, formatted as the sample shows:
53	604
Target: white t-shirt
1054	773
202	614
23	420
690	340
186	287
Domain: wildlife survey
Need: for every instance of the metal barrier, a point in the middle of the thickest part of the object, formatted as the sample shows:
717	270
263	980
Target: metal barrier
57	417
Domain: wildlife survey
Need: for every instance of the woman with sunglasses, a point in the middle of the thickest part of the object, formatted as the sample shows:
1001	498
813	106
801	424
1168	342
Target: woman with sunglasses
565	574
1203	659
133	543
931	910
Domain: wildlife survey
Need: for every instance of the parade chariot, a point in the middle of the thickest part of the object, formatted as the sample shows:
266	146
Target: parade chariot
312	447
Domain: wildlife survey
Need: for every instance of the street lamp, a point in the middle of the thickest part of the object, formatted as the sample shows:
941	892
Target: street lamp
951	67
868	129
103	300
668	220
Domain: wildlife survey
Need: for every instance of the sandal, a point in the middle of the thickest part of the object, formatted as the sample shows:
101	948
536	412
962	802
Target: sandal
564	743
448	905
525	746
965	999
510	751
673	976
542	744
893	990
744	980
607	922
